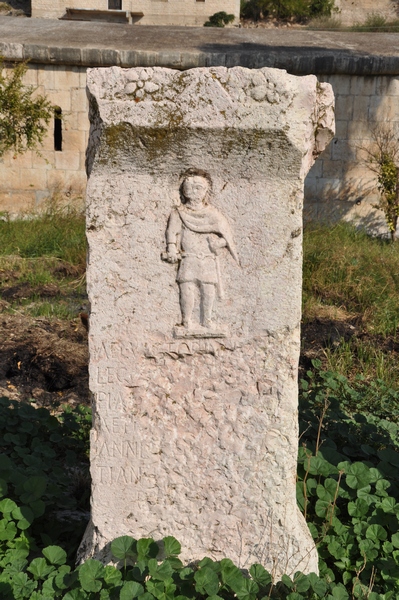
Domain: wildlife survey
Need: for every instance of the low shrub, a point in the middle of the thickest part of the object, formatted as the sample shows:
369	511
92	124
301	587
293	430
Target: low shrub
376	23
219	19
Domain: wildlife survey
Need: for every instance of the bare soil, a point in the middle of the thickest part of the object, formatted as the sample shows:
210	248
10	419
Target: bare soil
44	360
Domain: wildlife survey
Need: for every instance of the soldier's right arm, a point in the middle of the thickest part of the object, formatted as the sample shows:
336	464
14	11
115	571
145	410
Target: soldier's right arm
173	230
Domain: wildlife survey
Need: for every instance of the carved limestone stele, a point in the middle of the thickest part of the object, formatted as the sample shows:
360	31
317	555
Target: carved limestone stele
194	216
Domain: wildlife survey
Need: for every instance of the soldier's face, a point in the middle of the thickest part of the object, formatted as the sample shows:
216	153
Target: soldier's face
195	189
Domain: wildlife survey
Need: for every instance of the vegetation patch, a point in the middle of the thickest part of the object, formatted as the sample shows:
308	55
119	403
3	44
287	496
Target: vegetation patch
351	303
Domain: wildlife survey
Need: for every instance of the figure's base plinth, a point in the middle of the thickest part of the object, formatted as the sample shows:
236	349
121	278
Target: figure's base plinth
198	331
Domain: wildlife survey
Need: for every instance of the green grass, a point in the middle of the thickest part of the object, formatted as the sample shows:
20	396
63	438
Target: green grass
374	22
352	277
59	233
377	23
347	269
42	264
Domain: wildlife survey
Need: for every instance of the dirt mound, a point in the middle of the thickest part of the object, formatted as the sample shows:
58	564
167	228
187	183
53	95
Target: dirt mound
43	360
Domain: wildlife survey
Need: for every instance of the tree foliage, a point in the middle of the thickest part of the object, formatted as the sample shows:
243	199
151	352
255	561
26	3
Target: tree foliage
24	114
219	19
297	10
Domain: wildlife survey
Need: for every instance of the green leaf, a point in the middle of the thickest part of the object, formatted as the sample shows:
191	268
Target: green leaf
148	596
34	488
339	593
130	590
3	487
8	530
359	508
319	466
260	575
39	568
55	555
287	582
212	564
389	456
248	590
37	507
24	515
206	582
147	548
376	532
395	540
323	508
336	550
381	486
328	490
187	573
160	571
302	582
124	547
90	574
7	506
75	595
23	586
112	576
318	585
389	505
231	575
171	546
358	476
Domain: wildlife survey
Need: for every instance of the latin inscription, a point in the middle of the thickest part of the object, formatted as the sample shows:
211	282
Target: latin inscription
122	375
117	474
180	349
120	449
113	350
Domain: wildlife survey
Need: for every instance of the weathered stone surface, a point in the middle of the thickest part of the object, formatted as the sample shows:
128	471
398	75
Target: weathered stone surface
195	414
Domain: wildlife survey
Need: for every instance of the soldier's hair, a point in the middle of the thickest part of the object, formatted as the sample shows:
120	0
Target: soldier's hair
195	173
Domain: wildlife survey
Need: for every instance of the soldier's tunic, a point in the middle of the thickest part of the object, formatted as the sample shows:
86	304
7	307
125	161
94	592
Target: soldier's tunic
193	231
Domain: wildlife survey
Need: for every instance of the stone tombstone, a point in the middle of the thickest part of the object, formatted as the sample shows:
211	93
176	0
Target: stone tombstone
194	224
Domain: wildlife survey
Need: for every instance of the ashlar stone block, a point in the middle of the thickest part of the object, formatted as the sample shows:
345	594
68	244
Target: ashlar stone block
194	222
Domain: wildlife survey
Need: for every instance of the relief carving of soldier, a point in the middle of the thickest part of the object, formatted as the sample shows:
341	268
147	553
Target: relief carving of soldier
196	234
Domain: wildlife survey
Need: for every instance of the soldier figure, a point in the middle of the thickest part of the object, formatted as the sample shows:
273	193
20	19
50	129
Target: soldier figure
195	235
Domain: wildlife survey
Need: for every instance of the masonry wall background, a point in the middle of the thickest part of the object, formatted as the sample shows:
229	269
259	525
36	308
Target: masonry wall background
28	179
340	185
356	11
156	12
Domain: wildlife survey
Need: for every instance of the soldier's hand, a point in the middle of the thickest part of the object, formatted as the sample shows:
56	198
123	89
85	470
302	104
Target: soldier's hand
216	245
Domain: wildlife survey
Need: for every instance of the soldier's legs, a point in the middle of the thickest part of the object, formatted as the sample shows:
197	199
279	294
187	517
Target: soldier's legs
208	294
187	299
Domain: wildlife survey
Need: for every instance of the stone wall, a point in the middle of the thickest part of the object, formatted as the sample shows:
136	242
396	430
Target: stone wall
28	179
362	68
341	185
356	11
155	12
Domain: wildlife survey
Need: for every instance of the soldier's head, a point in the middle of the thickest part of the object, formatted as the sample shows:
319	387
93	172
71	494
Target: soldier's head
195	187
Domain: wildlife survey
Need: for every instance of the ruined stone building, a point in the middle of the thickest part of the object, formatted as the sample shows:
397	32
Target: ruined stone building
142	12
363	70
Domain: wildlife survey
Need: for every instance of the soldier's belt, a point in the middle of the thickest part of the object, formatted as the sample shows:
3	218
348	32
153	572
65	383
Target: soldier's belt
200	255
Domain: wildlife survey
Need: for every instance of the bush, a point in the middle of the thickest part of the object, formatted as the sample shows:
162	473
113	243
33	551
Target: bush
298	10
24	117
219	19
